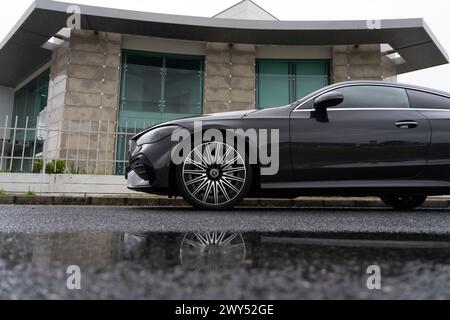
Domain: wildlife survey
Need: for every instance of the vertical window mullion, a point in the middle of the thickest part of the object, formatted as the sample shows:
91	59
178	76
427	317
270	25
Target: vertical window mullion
162	102
294	82
202	85
257	85
123	82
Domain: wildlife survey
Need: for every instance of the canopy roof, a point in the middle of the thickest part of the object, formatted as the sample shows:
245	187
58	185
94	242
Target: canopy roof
21	53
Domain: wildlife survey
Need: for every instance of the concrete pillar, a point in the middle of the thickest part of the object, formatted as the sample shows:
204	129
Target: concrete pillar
363	62
229	77
84	96
388	69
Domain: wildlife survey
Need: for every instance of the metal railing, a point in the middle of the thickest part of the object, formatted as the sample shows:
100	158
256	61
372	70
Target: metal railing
64	147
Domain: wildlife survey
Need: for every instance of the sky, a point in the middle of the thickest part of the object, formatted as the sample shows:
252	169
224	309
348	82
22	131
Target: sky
435	13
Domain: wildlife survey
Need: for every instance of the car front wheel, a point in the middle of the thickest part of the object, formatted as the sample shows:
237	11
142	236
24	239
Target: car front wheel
214	176
403	202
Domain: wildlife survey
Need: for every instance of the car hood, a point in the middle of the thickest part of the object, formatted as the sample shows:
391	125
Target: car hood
221	115
185	122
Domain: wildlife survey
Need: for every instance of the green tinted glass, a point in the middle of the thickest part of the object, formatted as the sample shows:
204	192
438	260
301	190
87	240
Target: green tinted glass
310	76
281	82
30	100
157	88
273	84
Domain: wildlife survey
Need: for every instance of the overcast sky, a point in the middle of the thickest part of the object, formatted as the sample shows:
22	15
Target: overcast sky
435	12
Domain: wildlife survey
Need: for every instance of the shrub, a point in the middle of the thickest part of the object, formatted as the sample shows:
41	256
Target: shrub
51	167
60	166
38	166
74	170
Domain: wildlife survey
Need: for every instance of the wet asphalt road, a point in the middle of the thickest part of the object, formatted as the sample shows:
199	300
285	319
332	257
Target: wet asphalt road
54	219
148	253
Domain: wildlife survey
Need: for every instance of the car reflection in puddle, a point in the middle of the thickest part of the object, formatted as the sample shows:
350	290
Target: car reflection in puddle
195	251
212	250
220	265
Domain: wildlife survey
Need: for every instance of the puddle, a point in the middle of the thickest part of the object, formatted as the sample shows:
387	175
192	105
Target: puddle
225	265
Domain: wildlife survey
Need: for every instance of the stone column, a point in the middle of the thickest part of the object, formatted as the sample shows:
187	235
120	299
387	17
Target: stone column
84	96
229	77
388	69
363	62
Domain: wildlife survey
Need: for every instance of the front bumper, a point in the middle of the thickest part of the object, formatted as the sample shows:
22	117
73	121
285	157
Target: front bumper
140	172
149	166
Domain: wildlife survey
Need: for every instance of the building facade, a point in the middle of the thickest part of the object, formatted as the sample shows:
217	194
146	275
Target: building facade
87	91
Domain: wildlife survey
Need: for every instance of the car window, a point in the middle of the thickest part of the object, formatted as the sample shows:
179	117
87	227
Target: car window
373	97
424	100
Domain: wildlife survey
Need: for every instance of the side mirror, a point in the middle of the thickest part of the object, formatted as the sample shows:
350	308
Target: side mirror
327	100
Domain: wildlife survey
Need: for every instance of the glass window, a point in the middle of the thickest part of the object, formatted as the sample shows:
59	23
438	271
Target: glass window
31	100
182	89
142	85
155	88
424	100
282	82
309	77
273	84
373	97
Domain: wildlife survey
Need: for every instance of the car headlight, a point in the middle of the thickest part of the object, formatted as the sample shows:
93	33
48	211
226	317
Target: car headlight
156	135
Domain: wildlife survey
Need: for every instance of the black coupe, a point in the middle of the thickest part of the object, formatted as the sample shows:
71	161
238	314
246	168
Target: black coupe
359	138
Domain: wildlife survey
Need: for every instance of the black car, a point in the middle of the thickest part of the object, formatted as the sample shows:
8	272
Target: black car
359	138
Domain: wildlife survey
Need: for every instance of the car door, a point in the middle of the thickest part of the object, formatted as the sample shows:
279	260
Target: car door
373	134
436	108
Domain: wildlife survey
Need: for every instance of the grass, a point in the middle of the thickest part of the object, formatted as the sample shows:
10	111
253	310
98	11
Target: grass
2	192
30	193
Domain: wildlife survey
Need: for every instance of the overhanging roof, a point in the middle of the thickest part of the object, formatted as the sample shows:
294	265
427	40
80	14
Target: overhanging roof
21	53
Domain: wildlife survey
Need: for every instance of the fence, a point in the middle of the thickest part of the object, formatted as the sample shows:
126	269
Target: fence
65	147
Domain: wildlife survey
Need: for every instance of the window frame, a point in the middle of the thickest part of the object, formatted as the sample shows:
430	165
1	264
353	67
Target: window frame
304	103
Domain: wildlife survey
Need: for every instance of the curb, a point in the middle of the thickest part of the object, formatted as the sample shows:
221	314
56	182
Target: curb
165	202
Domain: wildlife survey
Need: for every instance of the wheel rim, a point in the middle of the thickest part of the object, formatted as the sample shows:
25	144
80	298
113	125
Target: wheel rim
214	173
212	250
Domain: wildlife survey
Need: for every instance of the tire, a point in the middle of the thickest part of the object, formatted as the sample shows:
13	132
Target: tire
208	179
404	202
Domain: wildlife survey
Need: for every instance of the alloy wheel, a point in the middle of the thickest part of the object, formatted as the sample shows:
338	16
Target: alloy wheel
214	174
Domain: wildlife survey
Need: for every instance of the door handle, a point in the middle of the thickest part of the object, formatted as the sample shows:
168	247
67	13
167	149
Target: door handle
407	124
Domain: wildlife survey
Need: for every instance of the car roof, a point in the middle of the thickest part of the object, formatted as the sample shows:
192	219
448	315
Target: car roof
392	84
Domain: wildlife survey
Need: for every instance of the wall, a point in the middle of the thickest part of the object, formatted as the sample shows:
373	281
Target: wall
63	184
229	77
364	62
151	44
292	52
84	87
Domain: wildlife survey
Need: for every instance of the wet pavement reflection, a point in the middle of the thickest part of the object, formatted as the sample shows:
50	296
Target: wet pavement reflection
220	265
